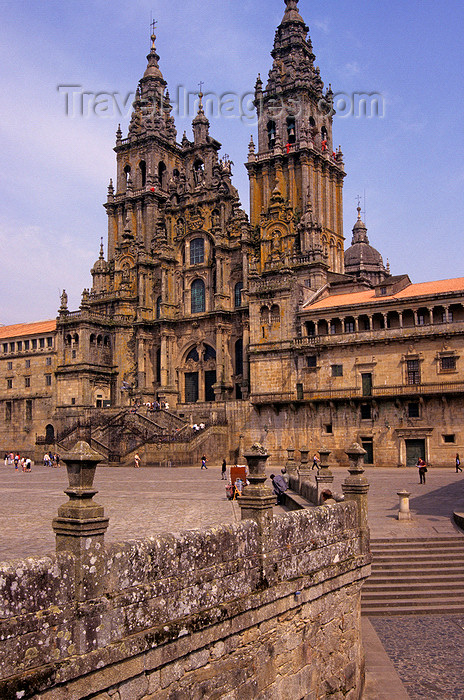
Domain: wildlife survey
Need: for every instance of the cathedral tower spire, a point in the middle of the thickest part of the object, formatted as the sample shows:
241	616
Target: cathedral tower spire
295	146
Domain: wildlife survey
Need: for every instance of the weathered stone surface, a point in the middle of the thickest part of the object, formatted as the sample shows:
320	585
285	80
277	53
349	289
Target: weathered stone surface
199	614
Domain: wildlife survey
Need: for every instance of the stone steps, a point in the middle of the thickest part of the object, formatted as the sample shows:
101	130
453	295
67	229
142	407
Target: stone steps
422	576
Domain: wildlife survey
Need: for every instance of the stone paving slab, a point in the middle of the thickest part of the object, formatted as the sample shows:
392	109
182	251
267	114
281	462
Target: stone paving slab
427	652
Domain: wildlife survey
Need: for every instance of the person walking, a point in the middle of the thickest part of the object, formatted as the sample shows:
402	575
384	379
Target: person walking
458	463
316	462
223	470
136	461
422	470
203	462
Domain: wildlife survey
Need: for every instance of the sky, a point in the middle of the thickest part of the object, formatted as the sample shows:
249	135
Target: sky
56	154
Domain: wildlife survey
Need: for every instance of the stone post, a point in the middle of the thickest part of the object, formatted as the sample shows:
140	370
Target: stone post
80	526
324	477
290	464
257	499
356	487
304	471
404	513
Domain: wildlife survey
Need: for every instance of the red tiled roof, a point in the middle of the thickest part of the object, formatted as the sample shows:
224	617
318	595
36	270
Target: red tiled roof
368	296
20	329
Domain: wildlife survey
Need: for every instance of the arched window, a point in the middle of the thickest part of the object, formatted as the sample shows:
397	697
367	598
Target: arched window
158	307
312	123
197	251
92	339
99	340
143	173
162	175
198	300
271	134
291	129
264	314
127	172
324	139
76	339
193	355
238	294
239	356
106	341
209	354
49	434
275	314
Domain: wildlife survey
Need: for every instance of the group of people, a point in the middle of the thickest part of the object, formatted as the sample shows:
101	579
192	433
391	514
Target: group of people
151	406
51	459
422	466
20	463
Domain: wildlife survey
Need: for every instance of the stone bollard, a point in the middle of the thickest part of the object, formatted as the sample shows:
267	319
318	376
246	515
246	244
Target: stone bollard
324	477
356	487
80	526
404	513
257	499
290	464
304	470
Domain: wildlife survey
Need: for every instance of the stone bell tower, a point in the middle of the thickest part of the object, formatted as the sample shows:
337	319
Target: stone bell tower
296	174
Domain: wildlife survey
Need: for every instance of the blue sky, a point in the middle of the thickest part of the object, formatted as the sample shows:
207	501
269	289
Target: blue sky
55	168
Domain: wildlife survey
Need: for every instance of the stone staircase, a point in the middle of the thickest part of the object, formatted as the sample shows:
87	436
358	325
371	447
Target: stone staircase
415	577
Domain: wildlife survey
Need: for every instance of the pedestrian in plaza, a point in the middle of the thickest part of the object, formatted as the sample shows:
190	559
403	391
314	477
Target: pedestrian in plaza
16	461
203	462
28	464
422	470
57	459
458	463
316	462
280	486
136	461
223	470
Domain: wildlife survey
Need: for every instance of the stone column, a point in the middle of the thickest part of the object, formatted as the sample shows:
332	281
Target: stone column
356	487
404	513
304	470
290	464
324	477
257	499
80	526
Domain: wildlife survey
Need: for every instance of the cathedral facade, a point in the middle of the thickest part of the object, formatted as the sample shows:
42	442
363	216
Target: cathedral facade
264	324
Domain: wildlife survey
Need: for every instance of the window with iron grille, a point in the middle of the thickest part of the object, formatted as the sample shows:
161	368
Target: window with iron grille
448	364
413	372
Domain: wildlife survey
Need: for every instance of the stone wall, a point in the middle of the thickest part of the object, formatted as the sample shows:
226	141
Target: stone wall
220	613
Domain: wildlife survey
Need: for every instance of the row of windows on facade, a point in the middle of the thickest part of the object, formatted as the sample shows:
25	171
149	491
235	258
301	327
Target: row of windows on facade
27	363
291	131
379	321
98	340
447	363
27	381
141	176
26	345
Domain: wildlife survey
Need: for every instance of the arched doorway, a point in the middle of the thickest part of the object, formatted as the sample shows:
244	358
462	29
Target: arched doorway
49	434
200	374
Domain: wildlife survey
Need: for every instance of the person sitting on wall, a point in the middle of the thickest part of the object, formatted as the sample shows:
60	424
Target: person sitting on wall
280	486
327	498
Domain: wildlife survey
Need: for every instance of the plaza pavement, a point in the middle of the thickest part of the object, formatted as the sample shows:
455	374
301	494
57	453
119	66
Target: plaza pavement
143	502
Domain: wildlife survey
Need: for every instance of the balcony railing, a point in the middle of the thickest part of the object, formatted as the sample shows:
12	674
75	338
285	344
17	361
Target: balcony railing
357	393
378	334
